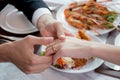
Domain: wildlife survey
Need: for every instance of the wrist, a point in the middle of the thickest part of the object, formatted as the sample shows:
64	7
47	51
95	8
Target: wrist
98	49
5	50
44	20
94	51
38	13
86	48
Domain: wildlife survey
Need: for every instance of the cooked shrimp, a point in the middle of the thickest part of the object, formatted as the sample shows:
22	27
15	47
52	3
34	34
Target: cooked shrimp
90	15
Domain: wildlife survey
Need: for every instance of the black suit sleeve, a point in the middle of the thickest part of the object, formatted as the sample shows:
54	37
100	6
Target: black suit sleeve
27	6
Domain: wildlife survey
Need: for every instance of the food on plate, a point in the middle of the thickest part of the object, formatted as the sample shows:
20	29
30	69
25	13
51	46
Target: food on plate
82	35
70	63
90	15
73	63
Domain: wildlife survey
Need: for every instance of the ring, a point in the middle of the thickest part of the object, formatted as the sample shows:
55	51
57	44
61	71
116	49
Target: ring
54	50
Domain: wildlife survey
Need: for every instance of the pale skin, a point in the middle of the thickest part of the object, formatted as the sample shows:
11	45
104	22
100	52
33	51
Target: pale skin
77	48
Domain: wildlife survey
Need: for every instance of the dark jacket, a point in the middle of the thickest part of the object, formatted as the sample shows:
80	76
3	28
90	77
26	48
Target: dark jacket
26	6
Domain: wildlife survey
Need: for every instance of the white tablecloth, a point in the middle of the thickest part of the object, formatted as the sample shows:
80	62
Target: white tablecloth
9	71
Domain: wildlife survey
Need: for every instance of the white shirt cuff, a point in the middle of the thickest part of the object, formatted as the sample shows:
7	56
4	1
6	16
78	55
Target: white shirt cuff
39	12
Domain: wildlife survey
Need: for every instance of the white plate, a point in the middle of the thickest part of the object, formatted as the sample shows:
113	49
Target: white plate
14	21
111	65
117	40
60	16
91	65
88	67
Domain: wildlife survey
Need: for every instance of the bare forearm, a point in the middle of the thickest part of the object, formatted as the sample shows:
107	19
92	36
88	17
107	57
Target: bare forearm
107	52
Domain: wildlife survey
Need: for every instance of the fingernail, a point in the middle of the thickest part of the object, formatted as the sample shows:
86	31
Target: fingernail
74	35
62	37
49	38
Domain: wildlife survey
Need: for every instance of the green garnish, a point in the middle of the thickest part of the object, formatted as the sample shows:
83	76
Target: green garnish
58	66
108	25
42	53
111	16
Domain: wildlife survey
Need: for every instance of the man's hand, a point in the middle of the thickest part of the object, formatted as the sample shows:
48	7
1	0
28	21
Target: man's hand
21	53
48	26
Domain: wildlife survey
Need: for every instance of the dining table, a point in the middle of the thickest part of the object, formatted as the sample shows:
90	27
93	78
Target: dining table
9	71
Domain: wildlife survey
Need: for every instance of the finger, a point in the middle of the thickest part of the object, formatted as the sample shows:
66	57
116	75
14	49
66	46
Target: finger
64	53
52	50
37	68
53	47
60	31
43	40
21	66
54	43
56	57
68	33
71	52
39	64
39	40
41	60
44	32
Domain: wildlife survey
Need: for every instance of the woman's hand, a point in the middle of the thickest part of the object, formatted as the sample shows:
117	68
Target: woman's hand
21	53
77	48
70	47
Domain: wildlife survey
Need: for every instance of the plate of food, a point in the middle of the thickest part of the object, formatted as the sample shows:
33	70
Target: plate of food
95	17
75	65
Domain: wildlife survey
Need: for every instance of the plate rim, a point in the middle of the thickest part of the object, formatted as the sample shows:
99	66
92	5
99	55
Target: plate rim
110	65
4	25
116	39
